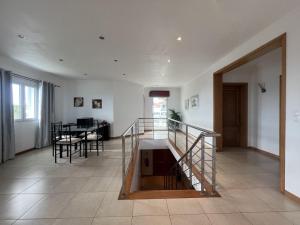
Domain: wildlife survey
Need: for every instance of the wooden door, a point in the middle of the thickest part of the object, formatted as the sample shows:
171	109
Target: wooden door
232	119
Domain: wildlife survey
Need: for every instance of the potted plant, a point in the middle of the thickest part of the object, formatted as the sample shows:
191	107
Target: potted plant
175	116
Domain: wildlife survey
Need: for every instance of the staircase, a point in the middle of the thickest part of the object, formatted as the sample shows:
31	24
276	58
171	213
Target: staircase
194	173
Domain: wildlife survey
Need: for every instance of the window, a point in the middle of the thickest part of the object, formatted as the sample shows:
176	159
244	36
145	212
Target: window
24	100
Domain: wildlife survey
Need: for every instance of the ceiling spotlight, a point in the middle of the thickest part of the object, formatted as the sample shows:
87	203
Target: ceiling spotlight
179	38
61	60
101	37
169	60
116	60
21	36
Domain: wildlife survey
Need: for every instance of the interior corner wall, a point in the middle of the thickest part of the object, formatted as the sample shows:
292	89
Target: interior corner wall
263	108
173	100
25	130
288	24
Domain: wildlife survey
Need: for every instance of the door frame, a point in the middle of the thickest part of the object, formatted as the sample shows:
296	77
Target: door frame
244	112
279	42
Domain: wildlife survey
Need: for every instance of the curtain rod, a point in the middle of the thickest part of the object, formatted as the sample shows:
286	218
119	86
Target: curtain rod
28	78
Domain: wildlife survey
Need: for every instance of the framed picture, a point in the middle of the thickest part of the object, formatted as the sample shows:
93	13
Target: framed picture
97	103
187	104
194	101
78	101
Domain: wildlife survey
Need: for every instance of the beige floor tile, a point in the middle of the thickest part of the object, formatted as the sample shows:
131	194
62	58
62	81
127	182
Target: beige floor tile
115	184
151	220
35	222
228	219
7	222
245	201
184	206
102	171
70	185
111	206
15	185
77	221
112	221
49	207
18	206
44	185
218	205
97	184
267	218
294	217
276	200
150	207
190	220
83	205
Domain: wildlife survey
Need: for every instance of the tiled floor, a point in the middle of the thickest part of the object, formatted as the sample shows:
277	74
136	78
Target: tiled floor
35	191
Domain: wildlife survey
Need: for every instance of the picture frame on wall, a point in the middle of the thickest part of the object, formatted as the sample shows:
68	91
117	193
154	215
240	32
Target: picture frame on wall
78	101
187	104
97	103
194	100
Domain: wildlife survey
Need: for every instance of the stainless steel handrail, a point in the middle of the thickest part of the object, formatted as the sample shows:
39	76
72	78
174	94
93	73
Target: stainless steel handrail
173	127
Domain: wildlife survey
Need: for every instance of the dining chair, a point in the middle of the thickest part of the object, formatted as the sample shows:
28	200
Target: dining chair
67	140
96	139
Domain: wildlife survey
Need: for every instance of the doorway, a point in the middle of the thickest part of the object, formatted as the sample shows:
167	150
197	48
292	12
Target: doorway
277	43
159	110
235	104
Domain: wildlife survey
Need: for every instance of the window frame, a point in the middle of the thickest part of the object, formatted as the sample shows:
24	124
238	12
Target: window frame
22	100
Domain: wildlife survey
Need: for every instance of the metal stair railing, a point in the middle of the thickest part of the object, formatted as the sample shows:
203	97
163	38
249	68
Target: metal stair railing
196	165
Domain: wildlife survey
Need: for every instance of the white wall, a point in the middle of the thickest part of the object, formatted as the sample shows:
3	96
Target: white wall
290	25
122	102
263	108
24	131
128	105
173	100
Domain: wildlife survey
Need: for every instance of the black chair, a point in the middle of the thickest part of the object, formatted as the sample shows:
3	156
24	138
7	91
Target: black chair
96	139
65	139
55	128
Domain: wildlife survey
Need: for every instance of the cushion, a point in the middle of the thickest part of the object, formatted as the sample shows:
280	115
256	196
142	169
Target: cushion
66	141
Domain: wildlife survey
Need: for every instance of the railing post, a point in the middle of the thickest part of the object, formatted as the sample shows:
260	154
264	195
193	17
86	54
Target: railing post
123	162
175	138
191	167
131	135
168	129
202	161
186	138
214	163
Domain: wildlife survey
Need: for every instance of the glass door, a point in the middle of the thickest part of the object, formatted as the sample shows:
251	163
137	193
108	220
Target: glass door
160	110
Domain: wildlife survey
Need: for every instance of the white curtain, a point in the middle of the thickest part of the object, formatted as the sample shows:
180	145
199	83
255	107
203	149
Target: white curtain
46	114
7	130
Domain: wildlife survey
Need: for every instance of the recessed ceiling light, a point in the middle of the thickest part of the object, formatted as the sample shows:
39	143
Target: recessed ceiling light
101	37
169	60
116	60
61	60
21	36
179	38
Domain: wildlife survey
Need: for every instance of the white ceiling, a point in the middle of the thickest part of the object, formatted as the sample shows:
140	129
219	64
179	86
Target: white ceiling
141	34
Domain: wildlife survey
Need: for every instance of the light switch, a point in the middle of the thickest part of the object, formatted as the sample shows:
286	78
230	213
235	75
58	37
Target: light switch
297	116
